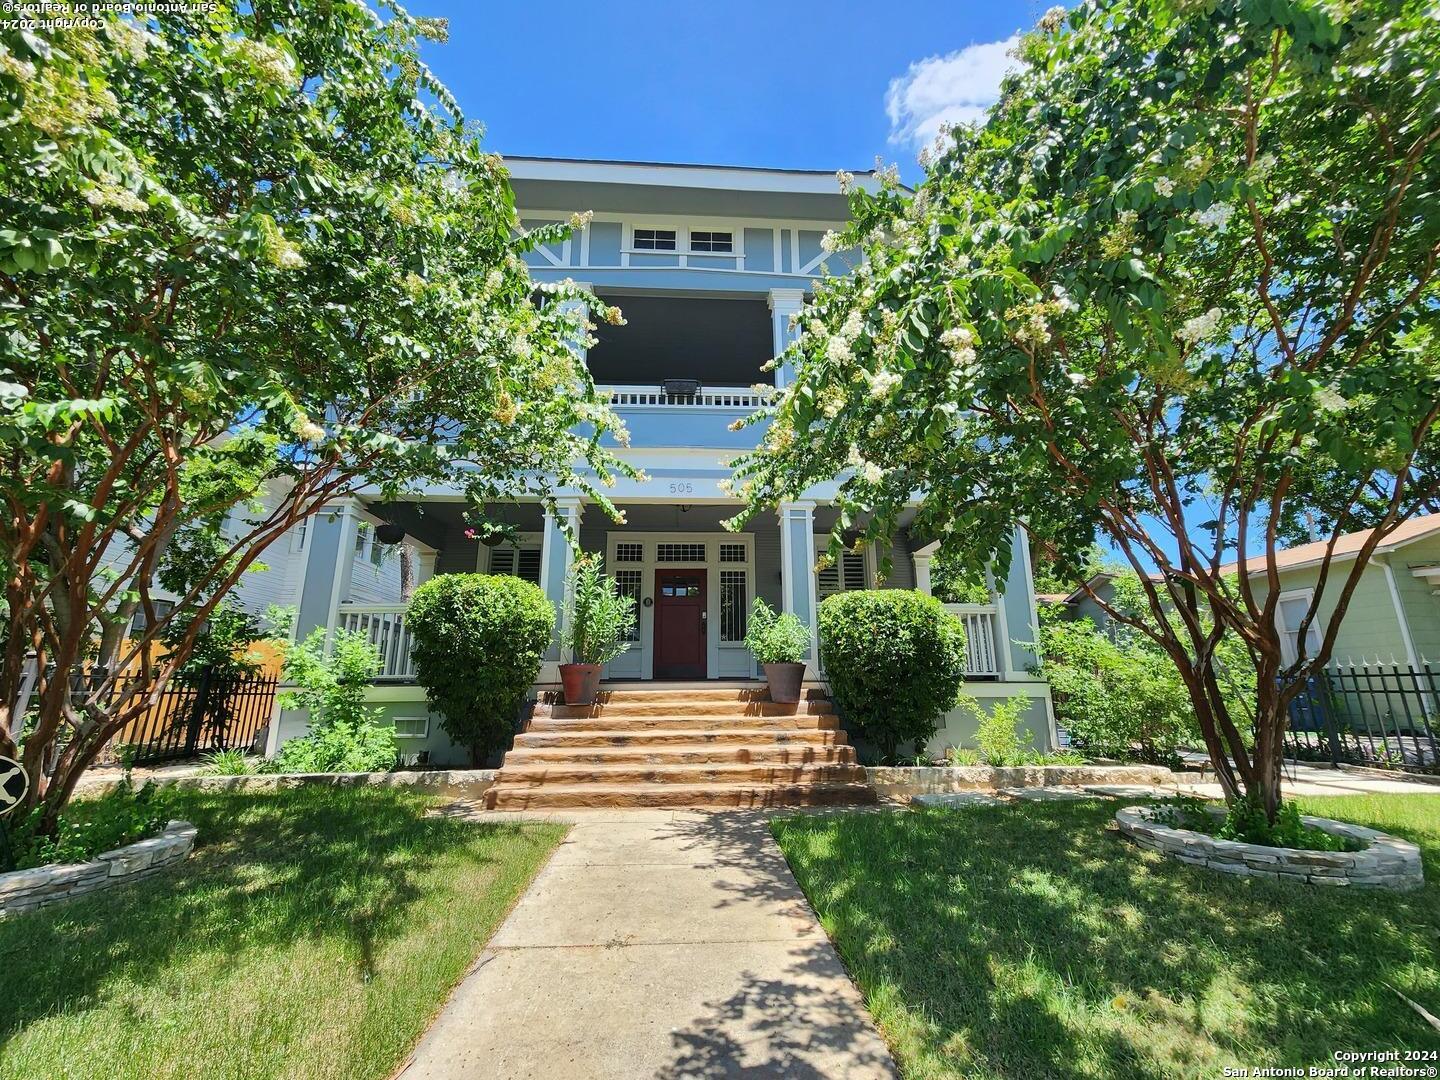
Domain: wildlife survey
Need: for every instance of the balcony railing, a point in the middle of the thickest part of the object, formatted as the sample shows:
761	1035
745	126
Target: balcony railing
711	397
384	627
982	638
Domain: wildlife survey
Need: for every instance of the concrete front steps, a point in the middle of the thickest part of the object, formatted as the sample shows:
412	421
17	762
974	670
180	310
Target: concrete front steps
681	747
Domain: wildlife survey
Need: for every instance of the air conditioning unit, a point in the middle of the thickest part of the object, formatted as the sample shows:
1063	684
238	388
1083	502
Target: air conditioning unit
681	387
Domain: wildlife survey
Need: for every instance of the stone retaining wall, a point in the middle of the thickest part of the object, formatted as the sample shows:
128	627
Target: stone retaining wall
466	783
25	890
1388	862
930	779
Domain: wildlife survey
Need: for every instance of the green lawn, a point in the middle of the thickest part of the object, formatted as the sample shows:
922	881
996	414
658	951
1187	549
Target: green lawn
1029	941
313	933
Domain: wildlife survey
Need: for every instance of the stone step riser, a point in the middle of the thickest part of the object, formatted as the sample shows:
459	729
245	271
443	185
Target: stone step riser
720	755
643	739
685	723
576	775
682	694
685	708
662	796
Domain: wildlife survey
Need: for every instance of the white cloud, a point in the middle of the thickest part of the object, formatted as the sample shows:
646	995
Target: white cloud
952	89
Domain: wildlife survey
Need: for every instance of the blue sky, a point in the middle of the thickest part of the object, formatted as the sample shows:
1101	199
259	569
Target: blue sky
736	82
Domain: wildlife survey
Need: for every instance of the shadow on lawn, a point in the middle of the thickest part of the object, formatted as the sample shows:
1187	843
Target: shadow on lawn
268	870
1032	942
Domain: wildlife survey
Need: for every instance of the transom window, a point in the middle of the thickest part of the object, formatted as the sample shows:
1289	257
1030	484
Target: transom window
629	552
732	553
708	240
679	552
655	239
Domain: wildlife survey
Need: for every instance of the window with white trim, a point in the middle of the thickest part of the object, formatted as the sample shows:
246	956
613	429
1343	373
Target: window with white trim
734	592
412	727
708	240
298	534
654	240
629	552
847	574
627	583
522	562
679	553
734	553
1289	613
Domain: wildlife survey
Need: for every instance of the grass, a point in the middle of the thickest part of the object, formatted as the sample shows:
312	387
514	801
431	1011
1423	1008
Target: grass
314	933
1029	941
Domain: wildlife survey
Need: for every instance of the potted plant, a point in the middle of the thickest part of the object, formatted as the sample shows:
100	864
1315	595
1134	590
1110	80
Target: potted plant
600	620
781	643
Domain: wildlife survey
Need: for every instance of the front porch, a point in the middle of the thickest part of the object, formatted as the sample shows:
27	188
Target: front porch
693	581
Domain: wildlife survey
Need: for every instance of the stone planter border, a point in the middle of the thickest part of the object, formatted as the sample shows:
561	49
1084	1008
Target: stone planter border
899	781
25	890
1388	862
470	783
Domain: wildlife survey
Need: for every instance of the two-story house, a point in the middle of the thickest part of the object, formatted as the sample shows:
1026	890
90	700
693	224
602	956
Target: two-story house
708	264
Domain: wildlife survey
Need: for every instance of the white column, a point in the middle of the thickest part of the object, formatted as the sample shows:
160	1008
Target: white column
797	570
557	556
783	304
922	568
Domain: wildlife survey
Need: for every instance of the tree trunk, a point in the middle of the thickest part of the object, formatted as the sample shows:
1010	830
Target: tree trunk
407	572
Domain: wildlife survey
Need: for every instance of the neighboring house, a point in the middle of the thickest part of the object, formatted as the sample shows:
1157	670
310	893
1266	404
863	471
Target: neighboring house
1394	613
708	265
277	576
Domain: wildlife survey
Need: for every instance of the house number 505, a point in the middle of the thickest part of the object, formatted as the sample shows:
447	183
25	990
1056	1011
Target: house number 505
683	487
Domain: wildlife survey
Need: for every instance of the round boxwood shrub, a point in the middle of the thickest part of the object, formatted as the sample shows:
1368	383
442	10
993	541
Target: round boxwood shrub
478	643
895	661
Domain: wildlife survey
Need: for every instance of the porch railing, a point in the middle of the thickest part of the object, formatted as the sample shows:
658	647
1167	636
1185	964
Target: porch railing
982	638
713	397
384	627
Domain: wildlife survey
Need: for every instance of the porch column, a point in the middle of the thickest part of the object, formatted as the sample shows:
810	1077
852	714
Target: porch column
922	568
329	561
797	570
557	556
1020	619
783	304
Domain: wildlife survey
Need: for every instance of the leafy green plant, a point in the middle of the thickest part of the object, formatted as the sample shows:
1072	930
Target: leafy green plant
88	827
997	730
230	763
1246	822
962	755
601	617
776	639
895	660
344	734
479	641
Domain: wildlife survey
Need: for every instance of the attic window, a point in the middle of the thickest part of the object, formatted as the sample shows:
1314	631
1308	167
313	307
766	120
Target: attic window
711	241
654	239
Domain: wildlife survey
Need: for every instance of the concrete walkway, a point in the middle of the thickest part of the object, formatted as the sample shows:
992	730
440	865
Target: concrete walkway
657	944
1302	778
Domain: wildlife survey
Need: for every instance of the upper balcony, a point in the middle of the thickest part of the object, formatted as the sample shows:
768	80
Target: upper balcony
682	368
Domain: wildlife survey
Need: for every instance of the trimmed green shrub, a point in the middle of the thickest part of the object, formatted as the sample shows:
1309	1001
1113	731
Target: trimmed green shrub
121	816
895	660
345	733
478	643
776	639
601	617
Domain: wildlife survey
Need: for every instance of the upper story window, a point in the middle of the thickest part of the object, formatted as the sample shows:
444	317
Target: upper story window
654	239
1289	614
709	240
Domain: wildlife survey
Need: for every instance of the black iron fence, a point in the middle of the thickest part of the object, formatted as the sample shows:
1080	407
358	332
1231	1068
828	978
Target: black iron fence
1380	715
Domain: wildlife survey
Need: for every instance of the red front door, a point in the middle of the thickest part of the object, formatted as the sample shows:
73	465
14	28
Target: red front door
679	624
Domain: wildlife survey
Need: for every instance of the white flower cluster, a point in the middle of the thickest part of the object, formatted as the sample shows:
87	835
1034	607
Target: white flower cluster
1164	186
959	341
272	64
844	179
579	220
1200	327
116	198
1215	217
307	430
1053	19
883	384
830	242
838	350
868	470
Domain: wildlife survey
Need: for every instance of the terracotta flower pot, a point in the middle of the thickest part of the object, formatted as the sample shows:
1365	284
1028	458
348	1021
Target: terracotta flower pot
784	680
581	683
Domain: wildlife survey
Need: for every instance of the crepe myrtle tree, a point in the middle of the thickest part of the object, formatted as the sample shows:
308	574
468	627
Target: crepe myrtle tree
1178	289
252	244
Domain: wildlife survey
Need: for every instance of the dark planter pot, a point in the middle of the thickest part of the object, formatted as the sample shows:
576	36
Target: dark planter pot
784	680
581	683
